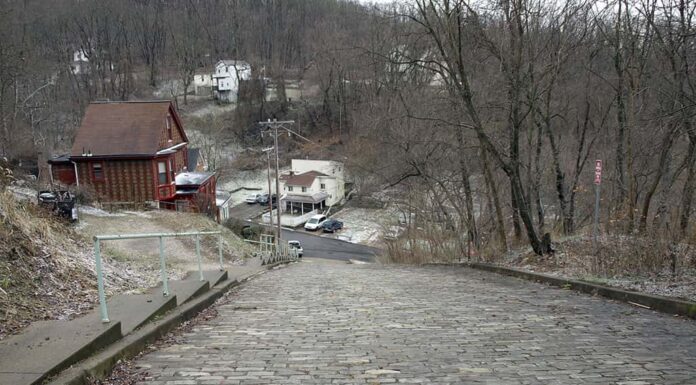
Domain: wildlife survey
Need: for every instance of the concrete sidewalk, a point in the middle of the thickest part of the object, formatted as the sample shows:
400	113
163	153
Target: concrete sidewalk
48	347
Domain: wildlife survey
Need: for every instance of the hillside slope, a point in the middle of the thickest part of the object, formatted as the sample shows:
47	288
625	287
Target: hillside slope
47	265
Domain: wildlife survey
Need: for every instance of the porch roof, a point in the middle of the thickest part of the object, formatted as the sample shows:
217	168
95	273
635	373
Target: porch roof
313	198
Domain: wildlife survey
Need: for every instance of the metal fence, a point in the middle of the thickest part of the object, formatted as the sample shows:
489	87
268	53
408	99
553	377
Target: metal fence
269	252
163	265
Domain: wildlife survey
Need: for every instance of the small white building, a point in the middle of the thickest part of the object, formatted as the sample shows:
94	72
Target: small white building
203	83
227	77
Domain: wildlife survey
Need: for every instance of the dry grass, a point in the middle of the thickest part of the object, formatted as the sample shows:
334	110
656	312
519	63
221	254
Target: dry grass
39	275
425	245
645	264
47	265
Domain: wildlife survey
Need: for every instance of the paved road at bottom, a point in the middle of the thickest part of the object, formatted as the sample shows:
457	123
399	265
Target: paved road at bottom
326	322
316	246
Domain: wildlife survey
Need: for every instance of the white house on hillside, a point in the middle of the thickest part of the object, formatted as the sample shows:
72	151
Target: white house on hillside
227	77
80	62
310	188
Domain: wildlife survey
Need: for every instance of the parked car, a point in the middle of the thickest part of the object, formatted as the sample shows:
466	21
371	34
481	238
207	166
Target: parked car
251	198
315	222
297	246
263	198
332	225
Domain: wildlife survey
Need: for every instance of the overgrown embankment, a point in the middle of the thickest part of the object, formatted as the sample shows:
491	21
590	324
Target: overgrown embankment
47	264
640	263
45	270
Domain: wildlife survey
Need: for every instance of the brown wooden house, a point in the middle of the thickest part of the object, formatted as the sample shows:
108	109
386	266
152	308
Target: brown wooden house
129	152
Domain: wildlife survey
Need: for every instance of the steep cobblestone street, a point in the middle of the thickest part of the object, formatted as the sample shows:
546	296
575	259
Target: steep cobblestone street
325	322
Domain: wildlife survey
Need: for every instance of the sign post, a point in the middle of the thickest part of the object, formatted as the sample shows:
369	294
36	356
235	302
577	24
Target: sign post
598	184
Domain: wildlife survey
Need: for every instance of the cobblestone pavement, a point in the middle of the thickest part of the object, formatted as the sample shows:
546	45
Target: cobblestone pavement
333	323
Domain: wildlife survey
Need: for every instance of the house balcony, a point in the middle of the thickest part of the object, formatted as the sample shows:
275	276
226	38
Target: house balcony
299	204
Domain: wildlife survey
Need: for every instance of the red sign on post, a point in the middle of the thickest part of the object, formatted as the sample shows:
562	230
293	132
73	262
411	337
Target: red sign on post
598	172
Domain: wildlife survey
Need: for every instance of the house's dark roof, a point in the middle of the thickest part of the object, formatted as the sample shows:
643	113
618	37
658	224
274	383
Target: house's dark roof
305	180
313	198
123	128
57	159
193	154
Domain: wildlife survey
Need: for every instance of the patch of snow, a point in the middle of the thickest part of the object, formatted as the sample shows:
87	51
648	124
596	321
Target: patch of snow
243	183
367	226
141	214
23	193
93	211
212	109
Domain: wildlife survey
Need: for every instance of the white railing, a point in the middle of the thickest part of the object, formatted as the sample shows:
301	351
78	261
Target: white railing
163	266
271	253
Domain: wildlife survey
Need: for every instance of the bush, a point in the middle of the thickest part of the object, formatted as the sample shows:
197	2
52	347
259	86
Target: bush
244	229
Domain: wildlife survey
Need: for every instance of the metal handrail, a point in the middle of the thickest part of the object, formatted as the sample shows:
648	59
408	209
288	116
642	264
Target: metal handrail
163	265
271	252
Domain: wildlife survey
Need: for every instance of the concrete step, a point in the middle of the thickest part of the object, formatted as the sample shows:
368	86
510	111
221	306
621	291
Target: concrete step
187	289
215	276
191	286
47	347
134	310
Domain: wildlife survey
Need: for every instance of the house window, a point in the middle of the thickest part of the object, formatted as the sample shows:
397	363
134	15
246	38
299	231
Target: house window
304	189
171	170
169	127
162	172
97	171
289	188
323	186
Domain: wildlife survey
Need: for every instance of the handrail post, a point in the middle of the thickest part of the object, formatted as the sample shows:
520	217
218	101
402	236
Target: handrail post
220	251
198	256
163	267
100	281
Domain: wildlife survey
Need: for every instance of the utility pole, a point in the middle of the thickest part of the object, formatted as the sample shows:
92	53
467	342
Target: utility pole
275	125
270	193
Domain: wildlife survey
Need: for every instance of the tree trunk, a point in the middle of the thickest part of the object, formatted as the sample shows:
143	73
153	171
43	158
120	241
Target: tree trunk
493	190
620	112
468	196
517	229
560	184
661	171
525	215
688	192
537	182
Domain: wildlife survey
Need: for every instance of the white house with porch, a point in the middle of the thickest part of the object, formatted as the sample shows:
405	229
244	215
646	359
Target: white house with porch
310	188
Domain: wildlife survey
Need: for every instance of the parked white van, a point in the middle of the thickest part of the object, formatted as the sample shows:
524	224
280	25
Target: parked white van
315	222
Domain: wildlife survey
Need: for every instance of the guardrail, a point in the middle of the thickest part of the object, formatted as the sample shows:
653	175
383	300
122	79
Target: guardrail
163	265
271	253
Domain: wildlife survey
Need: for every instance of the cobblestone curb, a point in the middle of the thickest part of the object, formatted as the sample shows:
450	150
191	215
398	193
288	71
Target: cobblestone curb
101	364
654	302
